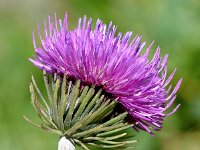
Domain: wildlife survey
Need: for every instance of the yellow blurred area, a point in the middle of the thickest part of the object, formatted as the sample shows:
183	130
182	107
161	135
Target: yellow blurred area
173	24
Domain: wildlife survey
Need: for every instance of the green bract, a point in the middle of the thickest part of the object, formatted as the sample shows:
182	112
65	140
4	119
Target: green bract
80	113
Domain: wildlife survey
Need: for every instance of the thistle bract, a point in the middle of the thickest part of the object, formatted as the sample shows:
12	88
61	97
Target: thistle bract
113	62
80	115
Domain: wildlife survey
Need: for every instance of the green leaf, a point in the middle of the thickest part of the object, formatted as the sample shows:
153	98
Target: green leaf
115	131
63	103
55	102
73	98
84	102
40	94
81	144
92	103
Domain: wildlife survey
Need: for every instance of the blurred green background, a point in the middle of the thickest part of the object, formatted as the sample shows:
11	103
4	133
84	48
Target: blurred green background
173	24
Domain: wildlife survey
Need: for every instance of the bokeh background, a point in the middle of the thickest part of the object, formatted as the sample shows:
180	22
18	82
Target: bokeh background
173	24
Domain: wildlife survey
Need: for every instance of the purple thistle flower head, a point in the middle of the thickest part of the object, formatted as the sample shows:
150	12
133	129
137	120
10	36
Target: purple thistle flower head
114	62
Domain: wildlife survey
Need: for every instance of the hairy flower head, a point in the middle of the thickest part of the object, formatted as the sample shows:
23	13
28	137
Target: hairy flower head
113	62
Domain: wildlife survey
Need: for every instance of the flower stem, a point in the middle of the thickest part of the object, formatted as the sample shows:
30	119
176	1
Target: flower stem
65	144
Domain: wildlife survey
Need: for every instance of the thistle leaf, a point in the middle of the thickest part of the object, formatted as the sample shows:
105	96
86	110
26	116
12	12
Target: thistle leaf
115	131
63	102
73	98
92	103
86	98
81	144
32	123
55	102
40	94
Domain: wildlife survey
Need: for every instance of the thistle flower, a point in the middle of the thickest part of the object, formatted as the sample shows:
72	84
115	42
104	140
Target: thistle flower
112	62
